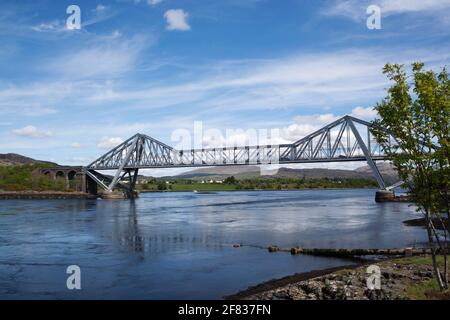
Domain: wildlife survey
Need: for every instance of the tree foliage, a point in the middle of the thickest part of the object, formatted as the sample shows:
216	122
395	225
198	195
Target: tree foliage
230	180
416	112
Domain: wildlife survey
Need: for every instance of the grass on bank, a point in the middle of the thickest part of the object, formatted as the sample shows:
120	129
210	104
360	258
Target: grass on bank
419	261
424	290
428	289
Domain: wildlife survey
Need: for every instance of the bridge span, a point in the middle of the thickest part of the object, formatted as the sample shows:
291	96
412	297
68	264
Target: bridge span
346	139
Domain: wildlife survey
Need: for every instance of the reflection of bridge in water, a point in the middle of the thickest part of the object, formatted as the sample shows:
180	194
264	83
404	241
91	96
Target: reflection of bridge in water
346	139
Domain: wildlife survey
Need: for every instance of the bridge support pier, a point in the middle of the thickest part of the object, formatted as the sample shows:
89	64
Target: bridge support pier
91	185
113	188
132	183
114	195
384	196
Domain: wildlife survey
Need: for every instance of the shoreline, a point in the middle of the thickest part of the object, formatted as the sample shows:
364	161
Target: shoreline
256	190
276	283
404	278
44	195
49	195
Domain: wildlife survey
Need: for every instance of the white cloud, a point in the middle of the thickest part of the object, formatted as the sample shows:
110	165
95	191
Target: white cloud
33	109
111	57
108	143
35	99
32	132
52	26
154	2
304	81
313	79
115	34
305	125
368	113
177	20
100	7
401	6
302	126
77	160
346	8
98	14
75	145
356	9
149	2
97	61
214	138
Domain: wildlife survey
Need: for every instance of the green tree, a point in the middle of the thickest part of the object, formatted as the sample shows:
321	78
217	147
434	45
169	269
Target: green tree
161	185
230	180
416	112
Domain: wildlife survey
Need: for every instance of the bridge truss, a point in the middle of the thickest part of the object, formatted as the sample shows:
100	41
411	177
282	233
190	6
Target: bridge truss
346	139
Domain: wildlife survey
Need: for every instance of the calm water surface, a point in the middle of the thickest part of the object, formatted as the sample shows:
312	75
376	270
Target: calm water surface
179	245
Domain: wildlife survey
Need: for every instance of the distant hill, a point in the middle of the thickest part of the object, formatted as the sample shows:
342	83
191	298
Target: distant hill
221	172
319	173
385	168
12	159
249	172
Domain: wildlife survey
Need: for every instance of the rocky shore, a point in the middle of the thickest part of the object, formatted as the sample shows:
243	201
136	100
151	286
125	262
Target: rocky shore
348	253
404	279
44	195
440	224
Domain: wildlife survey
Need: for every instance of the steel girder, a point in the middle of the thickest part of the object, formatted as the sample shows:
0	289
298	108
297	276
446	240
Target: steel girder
346	139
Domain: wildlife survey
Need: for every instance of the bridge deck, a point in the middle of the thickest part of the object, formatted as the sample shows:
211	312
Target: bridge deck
197	165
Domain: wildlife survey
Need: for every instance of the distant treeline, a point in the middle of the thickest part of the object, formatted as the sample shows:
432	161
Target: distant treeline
231	183
299	183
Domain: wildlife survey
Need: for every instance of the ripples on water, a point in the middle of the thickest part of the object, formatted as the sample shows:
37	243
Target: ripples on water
179	245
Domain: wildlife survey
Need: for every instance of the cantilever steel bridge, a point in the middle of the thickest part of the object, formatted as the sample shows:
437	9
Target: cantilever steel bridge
346	139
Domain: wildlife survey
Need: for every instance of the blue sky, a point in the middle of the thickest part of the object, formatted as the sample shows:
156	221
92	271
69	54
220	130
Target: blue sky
157	66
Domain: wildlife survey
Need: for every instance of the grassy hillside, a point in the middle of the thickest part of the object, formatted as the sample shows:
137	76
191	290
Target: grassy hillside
13	159
253	172
19	178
